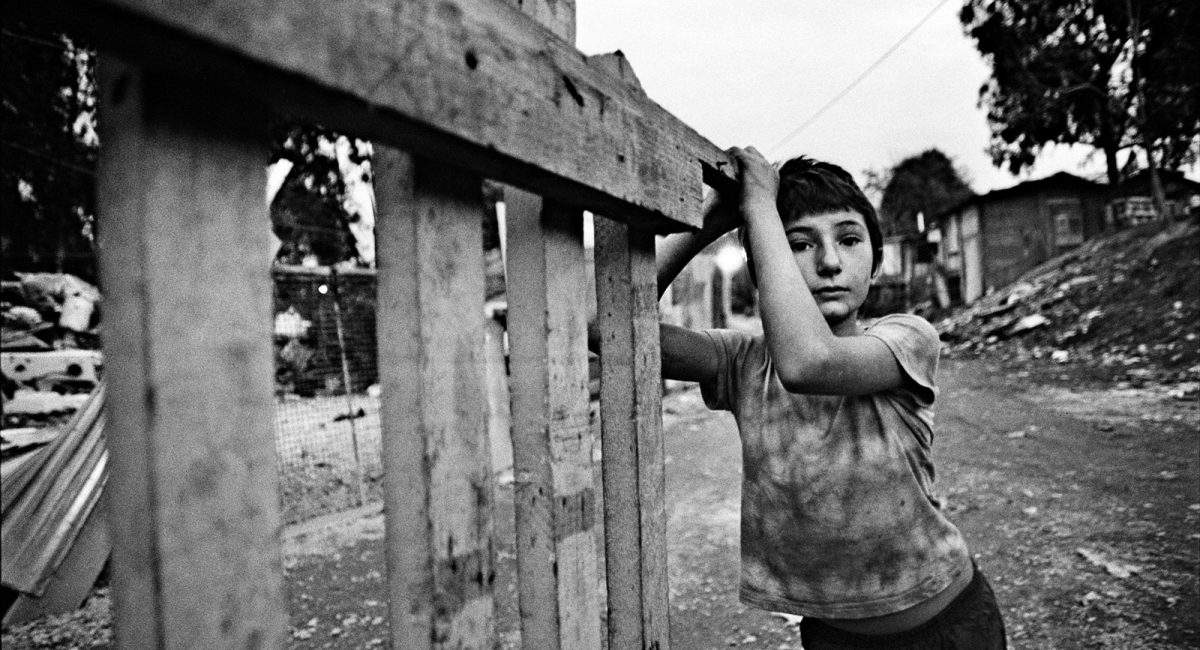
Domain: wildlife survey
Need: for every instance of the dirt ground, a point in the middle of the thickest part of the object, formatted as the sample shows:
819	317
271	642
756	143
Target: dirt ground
1080	501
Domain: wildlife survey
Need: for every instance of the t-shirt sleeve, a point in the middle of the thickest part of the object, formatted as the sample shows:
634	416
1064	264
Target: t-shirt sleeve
916	346
731	346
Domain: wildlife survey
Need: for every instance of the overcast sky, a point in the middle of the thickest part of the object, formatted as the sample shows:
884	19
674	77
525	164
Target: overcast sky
752	71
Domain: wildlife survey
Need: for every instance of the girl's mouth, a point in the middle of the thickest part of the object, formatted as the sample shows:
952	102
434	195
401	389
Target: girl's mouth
830	292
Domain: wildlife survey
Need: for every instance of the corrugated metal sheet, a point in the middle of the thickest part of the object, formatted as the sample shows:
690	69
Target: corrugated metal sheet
46	501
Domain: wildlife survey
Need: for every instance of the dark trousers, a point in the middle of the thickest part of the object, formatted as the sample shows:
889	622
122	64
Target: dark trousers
970	622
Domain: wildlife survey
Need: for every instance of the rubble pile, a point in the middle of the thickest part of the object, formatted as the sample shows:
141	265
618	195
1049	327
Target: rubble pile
50	346
45	311
1126	304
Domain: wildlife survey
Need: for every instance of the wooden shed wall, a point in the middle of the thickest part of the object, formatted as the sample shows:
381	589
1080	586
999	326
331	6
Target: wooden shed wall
1018	231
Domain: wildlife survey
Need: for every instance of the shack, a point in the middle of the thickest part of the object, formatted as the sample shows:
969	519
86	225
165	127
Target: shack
989	240
1134	200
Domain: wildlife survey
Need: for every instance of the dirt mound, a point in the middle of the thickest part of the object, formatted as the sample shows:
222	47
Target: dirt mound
1125	304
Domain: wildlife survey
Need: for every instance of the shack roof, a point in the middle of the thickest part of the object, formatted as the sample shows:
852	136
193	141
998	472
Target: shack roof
1059	180
1174	182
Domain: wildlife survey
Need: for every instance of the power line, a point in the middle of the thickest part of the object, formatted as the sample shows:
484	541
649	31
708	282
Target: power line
50	159
845	91
37	41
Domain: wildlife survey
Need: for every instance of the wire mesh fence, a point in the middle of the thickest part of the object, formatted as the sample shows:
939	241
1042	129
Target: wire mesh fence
327	434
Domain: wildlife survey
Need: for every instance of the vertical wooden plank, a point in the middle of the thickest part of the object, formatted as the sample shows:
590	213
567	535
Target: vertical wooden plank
631	424
552	441
185	253
438	490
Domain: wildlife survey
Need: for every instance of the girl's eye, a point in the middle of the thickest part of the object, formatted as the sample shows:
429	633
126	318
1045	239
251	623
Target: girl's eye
801	245
852	240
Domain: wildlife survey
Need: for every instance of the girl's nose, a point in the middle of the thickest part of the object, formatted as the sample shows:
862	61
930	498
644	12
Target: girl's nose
829	262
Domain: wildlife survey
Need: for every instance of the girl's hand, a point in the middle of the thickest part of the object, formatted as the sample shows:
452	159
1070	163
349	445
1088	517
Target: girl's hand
760	179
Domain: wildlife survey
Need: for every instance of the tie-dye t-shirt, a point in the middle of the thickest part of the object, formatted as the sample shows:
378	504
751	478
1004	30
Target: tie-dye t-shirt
839	516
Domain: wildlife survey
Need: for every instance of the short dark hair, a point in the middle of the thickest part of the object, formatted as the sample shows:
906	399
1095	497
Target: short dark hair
808	187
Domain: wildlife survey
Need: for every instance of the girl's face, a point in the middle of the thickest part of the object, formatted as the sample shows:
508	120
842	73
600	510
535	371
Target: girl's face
833	251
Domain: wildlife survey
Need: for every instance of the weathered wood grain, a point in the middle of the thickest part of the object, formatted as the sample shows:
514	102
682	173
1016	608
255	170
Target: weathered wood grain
557	16
185	251
631	425
438	492
474	83
552	440
547	326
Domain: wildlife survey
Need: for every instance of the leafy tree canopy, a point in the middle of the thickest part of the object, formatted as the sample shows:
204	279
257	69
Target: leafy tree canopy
1112	74
927	183
48	154
312	211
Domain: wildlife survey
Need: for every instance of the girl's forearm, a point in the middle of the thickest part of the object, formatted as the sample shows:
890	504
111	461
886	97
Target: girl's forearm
675	251
796	332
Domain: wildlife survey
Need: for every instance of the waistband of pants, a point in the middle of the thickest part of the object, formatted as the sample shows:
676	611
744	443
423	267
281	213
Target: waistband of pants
972	592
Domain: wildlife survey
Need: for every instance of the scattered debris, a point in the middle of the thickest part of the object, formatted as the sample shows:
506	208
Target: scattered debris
307	631
14	442
1027	432
1113	567
289	323
62	371
49	311
1185	390
24	340
1026	324
789	619
26	318
360	413
30	407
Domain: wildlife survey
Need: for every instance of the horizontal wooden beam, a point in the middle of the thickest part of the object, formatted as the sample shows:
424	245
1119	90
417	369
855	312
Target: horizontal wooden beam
471	83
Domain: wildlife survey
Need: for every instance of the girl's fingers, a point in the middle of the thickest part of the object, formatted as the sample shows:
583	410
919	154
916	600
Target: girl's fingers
748	159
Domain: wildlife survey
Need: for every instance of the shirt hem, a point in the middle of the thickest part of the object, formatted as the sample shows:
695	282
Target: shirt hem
864	609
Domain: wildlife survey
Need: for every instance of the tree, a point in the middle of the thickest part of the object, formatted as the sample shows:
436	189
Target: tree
1113	74
311	212
927	183
49	149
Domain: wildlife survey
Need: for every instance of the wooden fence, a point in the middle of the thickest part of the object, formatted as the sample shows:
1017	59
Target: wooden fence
451	92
